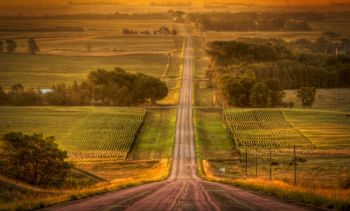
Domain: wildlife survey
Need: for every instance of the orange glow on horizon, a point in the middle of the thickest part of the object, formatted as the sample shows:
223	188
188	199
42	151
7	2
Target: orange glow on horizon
262	2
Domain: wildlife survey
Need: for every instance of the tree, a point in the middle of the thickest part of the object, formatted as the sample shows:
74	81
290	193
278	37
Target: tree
14	96
150	88
33	46
307	96
88	47
129	31
259	96
163	30
323	45
119	87
3	96
1	46
276	93
34	159
11	45
277	23
237	91
174	32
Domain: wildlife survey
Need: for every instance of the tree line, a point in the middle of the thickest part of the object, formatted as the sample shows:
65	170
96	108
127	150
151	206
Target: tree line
10	46
93	16
105	88
254	73
278	61
163	30
248	92
329	43
248	21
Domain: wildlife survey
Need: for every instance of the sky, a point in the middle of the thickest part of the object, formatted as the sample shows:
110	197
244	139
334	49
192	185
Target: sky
173	1
56	7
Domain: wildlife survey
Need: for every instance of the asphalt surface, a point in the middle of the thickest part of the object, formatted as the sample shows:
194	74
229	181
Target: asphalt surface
183	190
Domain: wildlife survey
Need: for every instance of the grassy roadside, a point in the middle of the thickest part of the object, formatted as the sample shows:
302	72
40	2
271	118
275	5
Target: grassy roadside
316	197
157	136
152	163
55	197
211	135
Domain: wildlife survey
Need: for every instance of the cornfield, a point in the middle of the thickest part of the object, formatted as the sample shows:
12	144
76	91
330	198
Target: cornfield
263	129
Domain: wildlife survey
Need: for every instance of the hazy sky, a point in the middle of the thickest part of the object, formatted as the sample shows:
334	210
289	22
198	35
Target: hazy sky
174	1
55	7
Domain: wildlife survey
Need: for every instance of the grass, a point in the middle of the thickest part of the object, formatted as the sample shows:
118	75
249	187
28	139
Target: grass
318	28
213	142
156	138
325	98
28	202
44	71
315	197
320	177
117	170
64	56
203	94
150	163
325	128
263	128
287	36
85	132
89	26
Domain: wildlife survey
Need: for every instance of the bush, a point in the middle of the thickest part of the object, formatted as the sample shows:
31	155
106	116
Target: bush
33	159
345	183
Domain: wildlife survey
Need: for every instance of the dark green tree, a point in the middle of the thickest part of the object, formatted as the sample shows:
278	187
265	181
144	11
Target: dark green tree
307	96
237	91
276	93
150	88
259	96
174	32
33	159
119	87
15	94
3	96
32	46
1	46
11	46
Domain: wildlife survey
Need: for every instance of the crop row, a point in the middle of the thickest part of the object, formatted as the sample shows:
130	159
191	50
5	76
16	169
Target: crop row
263	128
105	134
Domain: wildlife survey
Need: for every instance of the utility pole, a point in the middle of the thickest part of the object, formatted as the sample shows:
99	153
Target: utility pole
256	162
295	167
270	165
246	162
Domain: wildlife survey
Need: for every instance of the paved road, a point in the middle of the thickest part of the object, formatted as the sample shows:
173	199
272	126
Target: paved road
183	190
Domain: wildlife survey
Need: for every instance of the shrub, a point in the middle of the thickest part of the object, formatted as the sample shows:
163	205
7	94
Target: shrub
33	159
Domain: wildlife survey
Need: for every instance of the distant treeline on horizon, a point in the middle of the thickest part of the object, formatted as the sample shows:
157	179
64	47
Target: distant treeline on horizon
114	16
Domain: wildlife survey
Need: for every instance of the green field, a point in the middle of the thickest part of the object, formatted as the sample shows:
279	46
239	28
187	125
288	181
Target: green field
325	128
72	37
263	128
203	94
325	98
44	71
287	36
157	136
212	139
85	132
88	130
66	55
